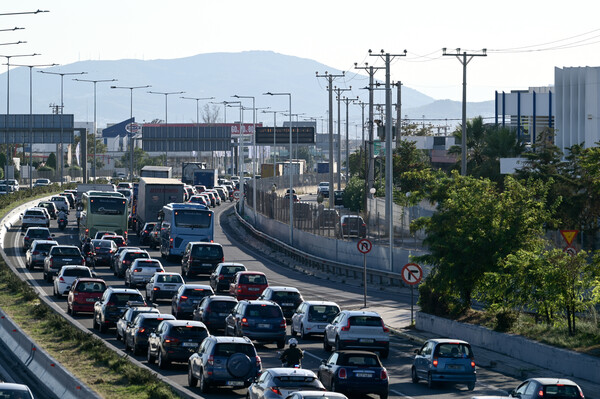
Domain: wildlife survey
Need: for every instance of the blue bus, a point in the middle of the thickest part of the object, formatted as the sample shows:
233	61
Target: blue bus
182	223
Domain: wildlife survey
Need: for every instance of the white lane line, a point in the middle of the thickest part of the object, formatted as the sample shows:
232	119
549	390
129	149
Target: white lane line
312	355
401	394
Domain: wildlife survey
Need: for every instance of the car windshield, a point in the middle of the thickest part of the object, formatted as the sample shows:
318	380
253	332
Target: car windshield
120	299
359	360
193	218
108	205
66	251
365	321
207	251
79	272
286	295
296	381
253	279
91	286
196	292
265	311
190	332
231	270
561	391
227	349
169	278
453	350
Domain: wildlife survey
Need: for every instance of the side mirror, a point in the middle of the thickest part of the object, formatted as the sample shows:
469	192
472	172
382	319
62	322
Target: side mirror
53	235
22	234
323	361
514	394
418	351
94	274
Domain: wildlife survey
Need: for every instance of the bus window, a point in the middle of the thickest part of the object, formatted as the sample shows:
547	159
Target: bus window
192	218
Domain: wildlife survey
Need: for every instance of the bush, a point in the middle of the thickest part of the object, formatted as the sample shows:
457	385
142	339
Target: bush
505	320
45	169
354	193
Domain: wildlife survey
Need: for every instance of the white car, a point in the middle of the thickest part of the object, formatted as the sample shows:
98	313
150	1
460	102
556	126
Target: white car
163	285
323	189
141	271
35	217
67	276
357	329
311	317
61	203
41	182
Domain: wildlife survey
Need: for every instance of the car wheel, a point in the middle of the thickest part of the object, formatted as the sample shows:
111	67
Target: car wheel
383	396
119	336
303	335
338	344
333	387
414	376
471	386
54	291
204	388
326	346
192	381
152	299
430	382
281	344
149	356
162	362
103	328
294	333
94	323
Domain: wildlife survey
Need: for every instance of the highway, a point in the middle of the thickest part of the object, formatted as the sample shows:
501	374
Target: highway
236	249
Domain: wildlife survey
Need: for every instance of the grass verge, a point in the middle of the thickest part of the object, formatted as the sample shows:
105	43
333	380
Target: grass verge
83	354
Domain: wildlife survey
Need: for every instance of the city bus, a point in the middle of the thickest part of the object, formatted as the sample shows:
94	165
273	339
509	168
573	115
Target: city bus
182	223
103	211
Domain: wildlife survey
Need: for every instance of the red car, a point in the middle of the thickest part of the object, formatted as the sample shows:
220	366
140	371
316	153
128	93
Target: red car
84	293
248	285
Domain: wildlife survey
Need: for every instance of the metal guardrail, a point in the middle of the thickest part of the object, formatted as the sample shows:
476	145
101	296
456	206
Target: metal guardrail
322	264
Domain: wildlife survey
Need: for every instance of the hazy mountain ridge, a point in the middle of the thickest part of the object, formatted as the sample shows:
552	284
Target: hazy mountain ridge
219	75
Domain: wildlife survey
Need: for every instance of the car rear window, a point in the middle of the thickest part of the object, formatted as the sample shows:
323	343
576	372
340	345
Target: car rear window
91	286
169	278
266	311
253	279
196	292
136	255
454	350
34	213
286	295
152	322
121	298
231	270
62	251
38	233
102	244
222	306
44	247
79	272
207	251
323	312
561	391
194	332
365	321
227	349
296	381
360	361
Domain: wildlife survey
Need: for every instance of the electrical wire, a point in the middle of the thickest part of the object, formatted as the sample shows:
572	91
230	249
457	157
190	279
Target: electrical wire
545	44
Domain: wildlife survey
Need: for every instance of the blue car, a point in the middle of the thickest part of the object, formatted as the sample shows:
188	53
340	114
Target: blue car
354	372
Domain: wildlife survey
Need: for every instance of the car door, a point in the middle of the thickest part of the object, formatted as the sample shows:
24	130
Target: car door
257	390
519	392
330	329
149	287
423	359
297	317
230	321
328	370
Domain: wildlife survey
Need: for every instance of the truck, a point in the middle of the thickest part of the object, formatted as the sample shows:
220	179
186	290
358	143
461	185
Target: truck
153	194
266	170
206	177
83	188
298	167
323	167
188	169
157	171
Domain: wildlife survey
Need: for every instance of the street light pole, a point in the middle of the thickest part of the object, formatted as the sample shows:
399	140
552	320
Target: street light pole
131	140
166	138
95	125
290	167
197	99
62	76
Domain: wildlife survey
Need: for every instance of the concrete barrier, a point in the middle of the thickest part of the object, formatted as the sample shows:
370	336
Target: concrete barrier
563	361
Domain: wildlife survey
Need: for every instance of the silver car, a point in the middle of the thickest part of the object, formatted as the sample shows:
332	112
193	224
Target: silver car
277	383
38	251
357	329
67	276
141	271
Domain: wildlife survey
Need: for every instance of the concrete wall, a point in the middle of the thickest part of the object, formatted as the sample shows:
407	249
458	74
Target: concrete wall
569	363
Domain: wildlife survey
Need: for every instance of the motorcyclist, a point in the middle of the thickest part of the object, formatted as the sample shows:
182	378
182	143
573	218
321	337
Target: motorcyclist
87	247
61	216
293	355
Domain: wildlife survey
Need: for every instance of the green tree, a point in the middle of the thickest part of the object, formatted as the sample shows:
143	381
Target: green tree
407	158
51	161
475	226
354	193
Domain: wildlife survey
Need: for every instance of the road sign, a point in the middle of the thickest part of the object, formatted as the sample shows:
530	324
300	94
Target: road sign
364	246
412	274
569	235
571	251
237	194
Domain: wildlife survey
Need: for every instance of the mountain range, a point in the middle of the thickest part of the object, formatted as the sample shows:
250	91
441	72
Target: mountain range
219	75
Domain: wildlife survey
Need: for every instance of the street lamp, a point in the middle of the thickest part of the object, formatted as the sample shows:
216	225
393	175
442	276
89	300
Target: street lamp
8	57
197	99
166	94
95	126
31	117
290	168
274	138
131	146
62	76
240	169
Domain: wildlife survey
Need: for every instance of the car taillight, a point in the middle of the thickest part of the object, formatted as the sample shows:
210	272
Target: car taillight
347	326
26	238
472	363
282	323
435	362
221	277
137	270
222	259
142	330
239	289
258	362
541	393
125	236
146	231
580	393
171	340
276	390
244	322
62	280
156	289
126	262
183	298
51	262
36	253
211	360
342	373
385	329
171	242
383	375
110	304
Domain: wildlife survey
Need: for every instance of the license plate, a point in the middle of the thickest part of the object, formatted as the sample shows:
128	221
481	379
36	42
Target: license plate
169	285
287	304
364	375
235	383
223	314
253	289
68	260
366	340
206	264
90	299
264	326
190	344
195	301
454	366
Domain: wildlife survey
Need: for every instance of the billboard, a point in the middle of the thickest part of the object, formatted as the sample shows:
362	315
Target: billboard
281	135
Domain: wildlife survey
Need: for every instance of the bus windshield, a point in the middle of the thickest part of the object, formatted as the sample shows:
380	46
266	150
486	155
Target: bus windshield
193	218
108	206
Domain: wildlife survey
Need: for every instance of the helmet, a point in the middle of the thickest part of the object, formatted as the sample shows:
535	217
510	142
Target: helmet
88	239
293	342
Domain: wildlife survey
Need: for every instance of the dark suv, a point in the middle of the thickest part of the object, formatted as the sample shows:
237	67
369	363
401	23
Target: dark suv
112	305
288	298
201	258
213	310
59	256
175	341
258	320
223	275
126	259
224	361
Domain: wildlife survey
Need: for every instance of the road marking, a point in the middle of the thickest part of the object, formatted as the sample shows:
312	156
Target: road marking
401	394
310	354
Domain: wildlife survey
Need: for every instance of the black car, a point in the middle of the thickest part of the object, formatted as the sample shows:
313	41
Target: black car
115	257
175	341
59	256
111	306
126	259
354	372
351	226
213	310
186	299
201	258
35	233
288	298
223	275
144	233
103	251
137	332
338	197
261	321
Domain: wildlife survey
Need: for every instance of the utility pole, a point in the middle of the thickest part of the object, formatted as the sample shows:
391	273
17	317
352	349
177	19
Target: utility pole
389	203
347	101
338	92
462	58
330	78
364	144
398	113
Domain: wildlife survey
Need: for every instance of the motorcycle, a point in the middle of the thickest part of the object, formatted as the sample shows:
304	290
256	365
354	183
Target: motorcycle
62	223
285	363
89	259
